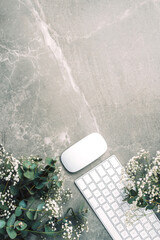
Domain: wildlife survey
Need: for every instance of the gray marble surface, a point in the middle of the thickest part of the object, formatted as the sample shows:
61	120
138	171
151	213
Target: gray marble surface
72	67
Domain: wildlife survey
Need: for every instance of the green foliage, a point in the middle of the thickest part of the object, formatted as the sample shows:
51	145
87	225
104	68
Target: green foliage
14	190
11	220
18	212
30	215
11	232
19	225
36	185
2	224
22	204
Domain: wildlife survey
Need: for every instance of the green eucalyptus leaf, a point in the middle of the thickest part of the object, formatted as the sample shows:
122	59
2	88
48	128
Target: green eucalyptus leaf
40	206
29	175
2	224
131	200
22	204
11	220
150	206
81	208
18	211
55	177
35	225
133	192
30	215
50	161
59	184
11	232
20	172
33	166
19	225
27	164
40	185
14	190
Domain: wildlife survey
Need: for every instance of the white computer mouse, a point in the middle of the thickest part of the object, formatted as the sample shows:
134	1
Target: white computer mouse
84	152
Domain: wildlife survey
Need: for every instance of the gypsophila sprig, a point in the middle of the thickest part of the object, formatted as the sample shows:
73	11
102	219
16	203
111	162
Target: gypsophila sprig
32	198
141	178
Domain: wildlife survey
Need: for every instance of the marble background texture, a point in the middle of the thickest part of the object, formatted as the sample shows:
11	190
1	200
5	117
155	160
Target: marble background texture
72	67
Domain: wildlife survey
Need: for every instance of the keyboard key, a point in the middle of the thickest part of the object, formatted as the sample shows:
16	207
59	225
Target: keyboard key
143	220
124	234
115	178
93	202
123	219
129	227
152	233
92	186
115	206
144	234
113	160
97	193
120	227
120	186
106	207
133	233
156	225
119	212
81	184
110	199
95	176
87	179
138	238
139	227
87	193
116	193
147	226
125	207
152	218
101	200
110	213
115	220
110	171
105	192
106	179
111	186
101	185
106	164
120	200
119	170
157	238
101	171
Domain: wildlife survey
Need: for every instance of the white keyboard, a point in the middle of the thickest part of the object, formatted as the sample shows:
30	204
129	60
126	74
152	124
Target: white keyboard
102	189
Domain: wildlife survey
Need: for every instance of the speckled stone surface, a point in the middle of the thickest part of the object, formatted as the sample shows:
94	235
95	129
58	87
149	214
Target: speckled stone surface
72	67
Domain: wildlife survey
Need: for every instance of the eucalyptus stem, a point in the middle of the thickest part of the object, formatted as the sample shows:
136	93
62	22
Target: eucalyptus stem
5	187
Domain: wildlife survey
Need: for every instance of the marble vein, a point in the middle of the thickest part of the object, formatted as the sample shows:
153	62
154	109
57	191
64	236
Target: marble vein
56	50
122	17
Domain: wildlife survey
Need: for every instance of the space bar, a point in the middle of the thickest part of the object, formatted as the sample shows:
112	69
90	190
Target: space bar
108	225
